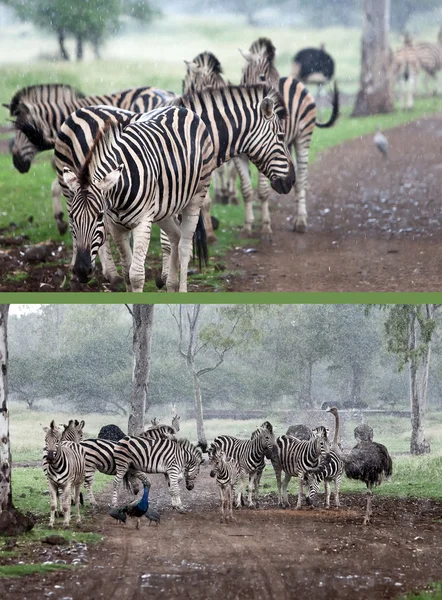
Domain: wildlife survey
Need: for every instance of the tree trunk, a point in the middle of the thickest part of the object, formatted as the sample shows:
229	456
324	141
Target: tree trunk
5	448
201	435
61	39
356	384
376	87
308	399
142	316
79	48
96	46
418	443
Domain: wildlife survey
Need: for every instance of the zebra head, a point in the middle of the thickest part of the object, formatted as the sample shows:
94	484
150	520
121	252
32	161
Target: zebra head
192	467
259	66
52	442
265	145
265	440
176	423
87	216
73	431
32	135
202	72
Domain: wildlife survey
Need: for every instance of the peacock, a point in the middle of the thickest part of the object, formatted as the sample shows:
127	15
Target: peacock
137	508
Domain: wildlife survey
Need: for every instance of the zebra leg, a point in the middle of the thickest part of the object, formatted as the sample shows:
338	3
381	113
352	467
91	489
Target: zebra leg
242	166
122	240
108	265
410	97
77	489
285	496
188	226
278	471
170	267
263	195
121	471
62	226
53	493
251	488
327	493
205	212
300	218
300	490
137	274
175	494
337	486
67	504
88	483
239	491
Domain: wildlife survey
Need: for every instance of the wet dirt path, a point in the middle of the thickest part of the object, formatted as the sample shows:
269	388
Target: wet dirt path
374	224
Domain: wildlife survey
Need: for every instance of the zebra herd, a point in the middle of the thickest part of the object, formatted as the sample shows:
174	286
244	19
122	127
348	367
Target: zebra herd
413	58
127	160
69	461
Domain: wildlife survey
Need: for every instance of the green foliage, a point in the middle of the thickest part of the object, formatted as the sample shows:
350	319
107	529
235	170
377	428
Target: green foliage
21	570
433	591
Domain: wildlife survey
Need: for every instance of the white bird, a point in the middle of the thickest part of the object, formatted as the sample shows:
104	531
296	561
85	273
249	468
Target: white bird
381	142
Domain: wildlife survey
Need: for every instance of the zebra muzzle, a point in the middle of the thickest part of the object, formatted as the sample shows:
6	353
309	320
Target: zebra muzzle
283	185
83	265
20	164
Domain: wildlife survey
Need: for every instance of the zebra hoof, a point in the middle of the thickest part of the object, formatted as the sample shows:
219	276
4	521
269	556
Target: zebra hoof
212	239
62	227
300	226
115	283
247	230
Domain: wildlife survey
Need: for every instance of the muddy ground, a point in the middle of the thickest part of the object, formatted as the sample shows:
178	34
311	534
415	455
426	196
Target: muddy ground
264	553
374	224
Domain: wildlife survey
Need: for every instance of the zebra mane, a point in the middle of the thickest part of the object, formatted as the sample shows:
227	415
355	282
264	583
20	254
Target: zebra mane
191	448
42	93
105	137
260	89
35	135
209	60
265	47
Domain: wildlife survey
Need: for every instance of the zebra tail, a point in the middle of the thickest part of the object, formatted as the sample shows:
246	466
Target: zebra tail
335	111
200	243
81	499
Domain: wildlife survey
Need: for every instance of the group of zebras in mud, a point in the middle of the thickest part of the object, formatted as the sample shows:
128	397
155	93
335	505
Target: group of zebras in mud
308	454
411	59
127	160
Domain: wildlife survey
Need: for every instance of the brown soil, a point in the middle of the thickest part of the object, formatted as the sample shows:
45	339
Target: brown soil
265	553
374	224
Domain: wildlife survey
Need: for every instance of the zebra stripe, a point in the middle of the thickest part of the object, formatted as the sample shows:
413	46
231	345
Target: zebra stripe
150	168
406	66
172	457
65	464
295	458
226	472
249	454
331	472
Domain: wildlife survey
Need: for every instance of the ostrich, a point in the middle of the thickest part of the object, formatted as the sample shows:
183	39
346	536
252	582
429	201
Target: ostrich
369	462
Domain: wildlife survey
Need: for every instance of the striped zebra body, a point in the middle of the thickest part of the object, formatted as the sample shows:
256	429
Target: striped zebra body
159	432
65	466
140	169
175	458
39	111
249	454
406	66
268	427
296	458
227	473
298	129
332	472
99	456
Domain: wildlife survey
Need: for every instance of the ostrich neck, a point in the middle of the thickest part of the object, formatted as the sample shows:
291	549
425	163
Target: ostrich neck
336	436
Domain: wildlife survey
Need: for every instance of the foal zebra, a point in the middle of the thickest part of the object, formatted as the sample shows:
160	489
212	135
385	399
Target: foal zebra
172	457
249	454
298	130
64	465
226	472
148	168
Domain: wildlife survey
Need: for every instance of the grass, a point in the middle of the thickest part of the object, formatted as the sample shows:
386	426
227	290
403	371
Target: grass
433	592
30	569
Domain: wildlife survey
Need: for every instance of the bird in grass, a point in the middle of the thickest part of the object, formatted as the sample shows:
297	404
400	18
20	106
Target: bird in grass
137	508
152	515
381	142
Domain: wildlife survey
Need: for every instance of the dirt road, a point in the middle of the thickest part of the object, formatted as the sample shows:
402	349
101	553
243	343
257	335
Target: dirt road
374	224
265	553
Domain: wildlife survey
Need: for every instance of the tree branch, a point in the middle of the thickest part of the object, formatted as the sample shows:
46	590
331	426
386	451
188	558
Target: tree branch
130	310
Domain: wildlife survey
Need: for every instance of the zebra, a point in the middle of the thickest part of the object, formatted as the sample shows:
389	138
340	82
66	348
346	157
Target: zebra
296	457
156	430
406	67
172	457
40	110
298	129
99	456
430	58
64	465
226	472
255	129
202	72
249	455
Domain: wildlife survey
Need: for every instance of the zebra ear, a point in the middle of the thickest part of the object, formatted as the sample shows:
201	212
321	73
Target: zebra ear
109	180
191	66
8	106
70	179
268	107
246	54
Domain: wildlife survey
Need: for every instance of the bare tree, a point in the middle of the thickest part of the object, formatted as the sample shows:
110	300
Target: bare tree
376	87
5	448
142	317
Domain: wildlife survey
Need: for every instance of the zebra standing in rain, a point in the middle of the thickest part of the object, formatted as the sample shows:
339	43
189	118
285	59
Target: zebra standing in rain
406	67
298	130
430	59
227	473
39	111
249	454
151	185
172	457
64	469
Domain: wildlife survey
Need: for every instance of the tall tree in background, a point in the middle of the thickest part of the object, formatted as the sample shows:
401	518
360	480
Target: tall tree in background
232	327
376	86
5	448
409	329
142	316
